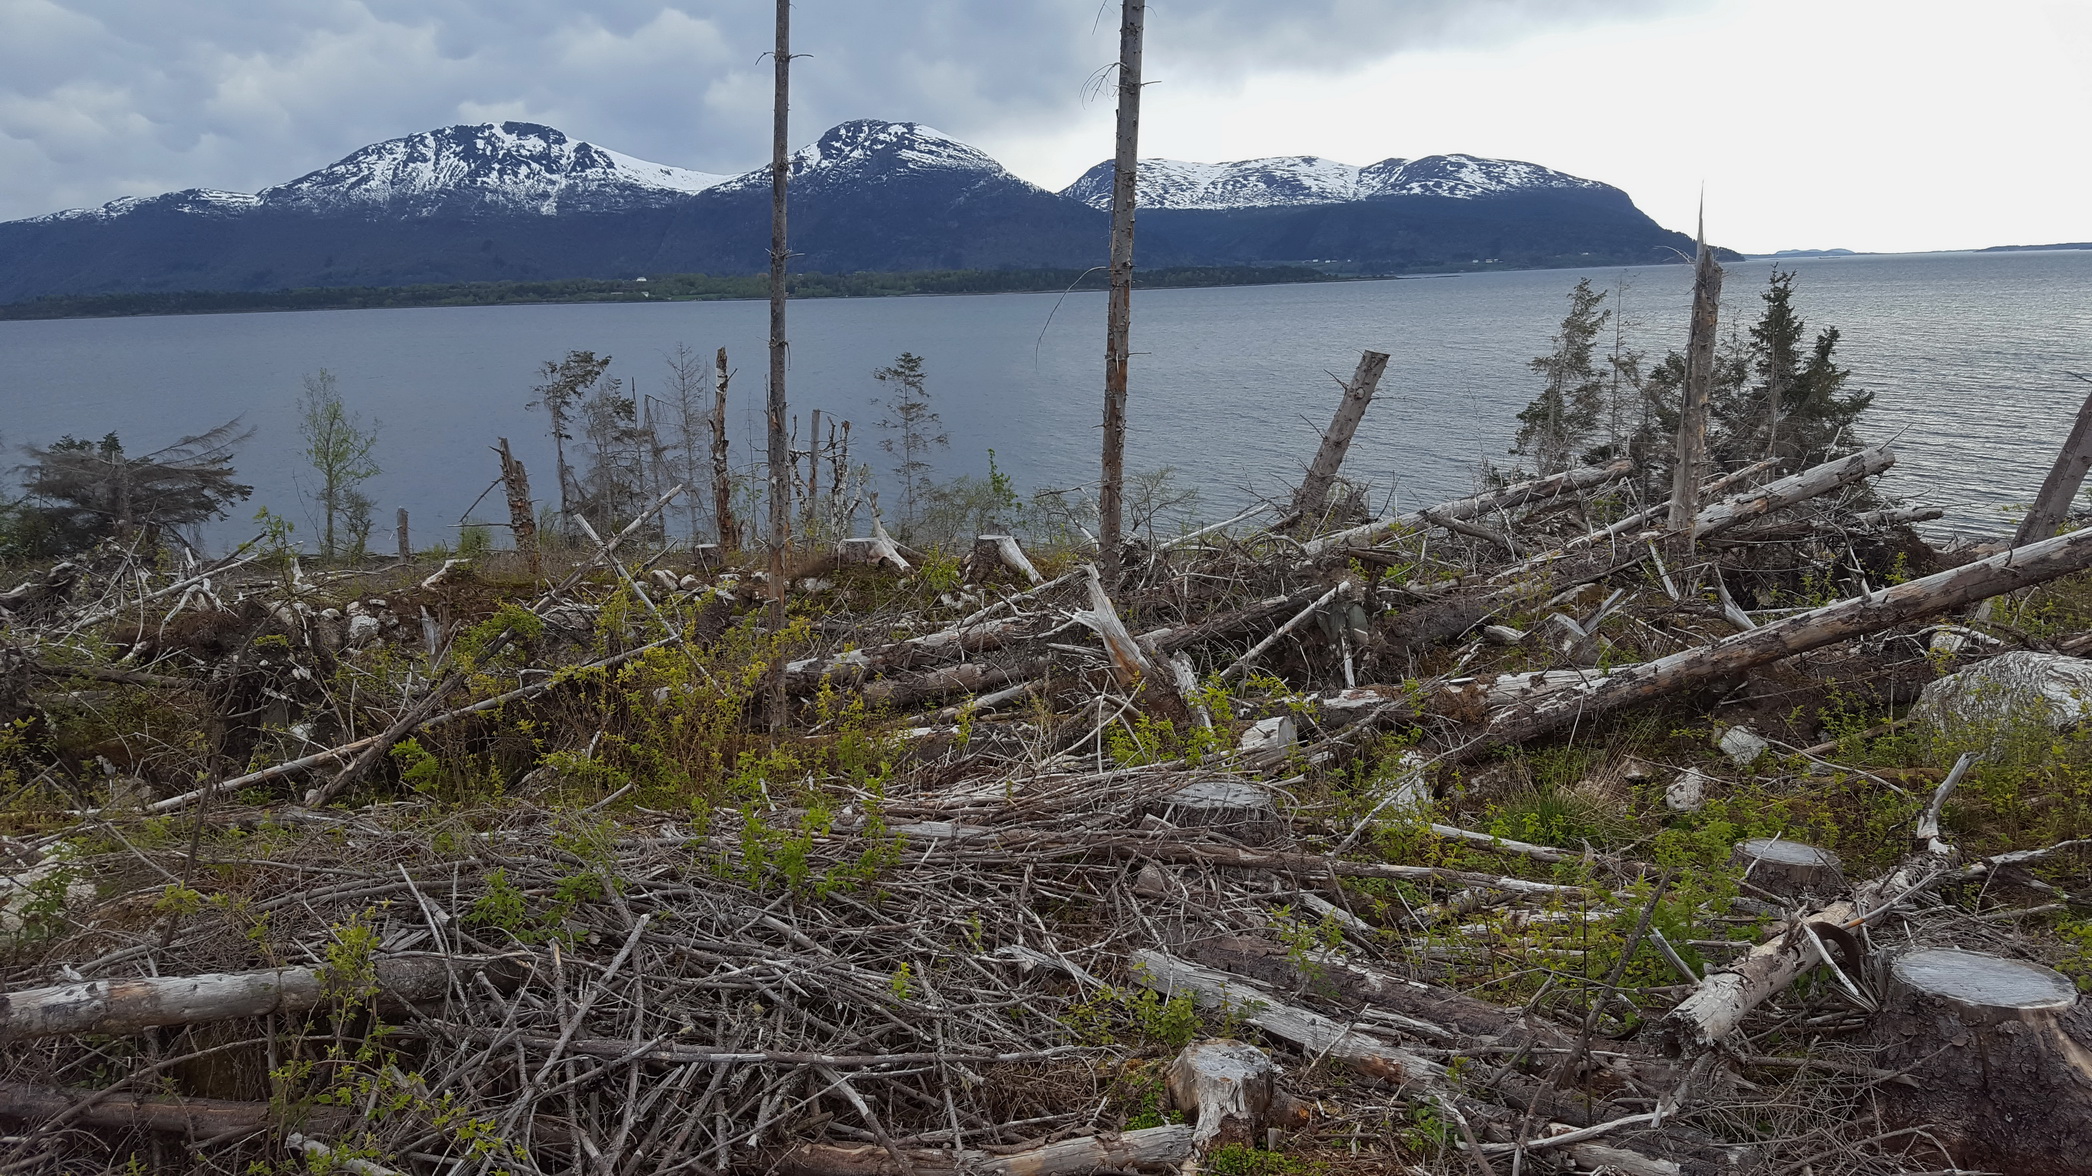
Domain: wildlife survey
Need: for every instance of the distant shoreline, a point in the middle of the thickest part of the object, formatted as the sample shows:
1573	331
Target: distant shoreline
703	288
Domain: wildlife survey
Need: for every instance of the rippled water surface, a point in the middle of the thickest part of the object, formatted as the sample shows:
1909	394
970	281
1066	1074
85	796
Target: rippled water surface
1969	355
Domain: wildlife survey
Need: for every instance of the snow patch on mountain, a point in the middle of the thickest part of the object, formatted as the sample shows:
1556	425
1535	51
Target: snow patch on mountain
1294	180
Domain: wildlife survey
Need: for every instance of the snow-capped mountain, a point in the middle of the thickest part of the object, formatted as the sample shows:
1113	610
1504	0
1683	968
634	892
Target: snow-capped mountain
522	201
512	167
1287	181
1279	181
872	151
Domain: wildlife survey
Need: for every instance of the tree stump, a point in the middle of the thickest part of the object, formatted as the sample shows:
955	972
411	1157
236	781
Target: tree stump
1236	808
1227	1089
1789	869
1997	1049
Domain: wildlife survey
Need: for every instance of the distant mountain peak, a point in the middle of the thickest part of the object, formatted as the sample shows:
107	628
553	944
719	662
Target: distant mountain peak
513	166
1294	180
866	149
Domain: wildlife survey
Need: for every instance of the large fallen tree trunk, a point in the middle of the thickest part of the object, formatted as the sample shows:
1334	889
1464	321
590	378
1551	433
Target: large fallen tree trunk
143	1002
2007	571
129	1111
1152	1147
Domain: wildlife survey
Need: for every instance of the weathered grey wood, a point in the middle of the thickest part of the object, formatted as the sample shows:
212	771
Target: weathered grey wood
400	529
2005	572
989	550
1227	1087
1691	449
1474	505
1148	1148
1810	483
138	1003
1118	313
1725	996
1315	1034
2061	485
1336	442
779	456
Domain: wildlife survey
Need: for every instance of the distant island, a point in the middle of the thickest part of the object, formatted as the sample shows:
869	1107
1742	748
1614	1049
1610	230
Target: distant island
2036	248
652	288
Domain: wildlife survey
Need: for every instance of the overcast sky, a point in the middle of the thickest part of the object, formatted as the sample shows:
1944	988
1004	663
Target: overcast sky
1866	124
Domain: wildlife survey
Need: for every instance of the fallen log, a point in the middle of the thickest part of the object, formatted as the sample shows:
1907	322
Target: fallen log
1473	506
1773	641
127	1111
145	1002
1316	1035
1151	1147
1810	483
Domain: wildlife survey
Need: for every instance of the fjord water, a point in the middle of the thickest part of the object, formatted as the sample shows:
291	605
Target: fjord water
1969	356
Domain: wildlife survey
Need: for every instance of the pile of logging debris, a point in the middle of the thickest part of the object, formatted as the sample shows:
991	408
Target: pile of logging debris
1454	841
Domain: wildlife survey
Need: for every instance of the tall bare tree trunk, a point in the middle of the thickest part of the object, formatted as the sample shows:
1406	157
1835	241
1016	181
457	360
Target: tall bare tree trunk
1119	314
722	474
1358	394
2061	485
522	519
780	456
1699	388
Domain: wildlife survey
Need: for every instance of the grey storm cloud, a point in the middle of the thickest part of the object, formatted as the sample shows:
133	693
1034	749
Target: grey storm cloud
107	98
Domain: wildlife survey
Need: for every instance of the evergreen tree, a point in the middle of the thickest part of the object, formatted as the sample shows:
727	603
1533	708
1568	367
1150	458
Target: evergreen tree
81	492
1556	428
1796	407
912	429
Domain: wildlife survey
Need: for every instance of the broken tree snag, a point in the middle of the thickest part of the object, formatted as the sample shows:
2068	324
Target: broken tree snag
522	515
131	1005
2005	572
722	474
2061	485
1691	452
1789	869
1473	506
2000	1054
1309	500
1148	1148
1810	483
1118	311
1227	1087
991	550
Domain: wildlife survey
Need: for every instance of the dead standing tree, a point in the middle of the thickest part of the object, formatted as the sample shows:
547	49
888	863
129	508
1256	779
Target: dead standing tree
1699	388
780	447
522	516
722	474
1119	313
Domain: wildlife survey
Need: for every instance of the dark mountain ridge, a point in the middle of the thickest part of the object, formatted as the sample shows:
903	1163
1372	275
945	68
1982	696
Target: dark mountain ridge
520	201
